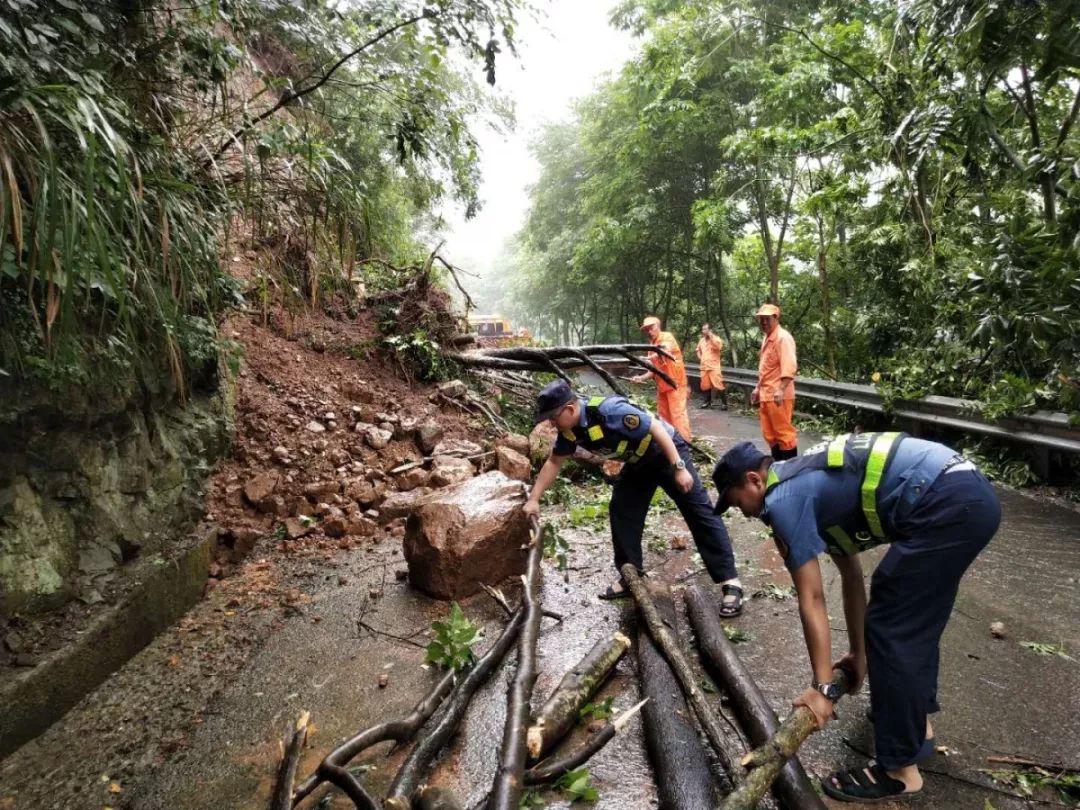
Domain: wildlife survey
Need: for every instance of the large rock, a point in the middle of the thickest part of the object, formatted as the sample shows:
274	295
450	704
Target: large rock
401	504
512	464
471	533
541	440
515	441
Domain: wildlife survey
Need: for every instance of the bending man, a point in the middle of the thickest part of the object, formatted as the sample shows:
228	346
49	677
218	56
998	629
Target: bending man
654	455
843	497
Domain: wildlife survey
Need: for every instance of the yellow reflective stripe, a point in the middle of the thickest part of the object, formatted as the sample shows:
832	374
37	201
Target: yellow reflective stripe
596	433
643	445
594	402
836	450
621	447
875	468
843	540
771	479
569	434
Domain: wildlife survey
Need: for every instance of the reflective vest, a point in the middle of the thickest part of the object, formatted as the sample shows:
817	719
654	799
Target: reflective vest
603	442
865	455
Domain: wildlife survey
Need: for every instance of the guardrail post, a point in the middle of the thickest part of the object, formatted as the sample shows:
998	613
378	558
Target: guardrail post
1040	462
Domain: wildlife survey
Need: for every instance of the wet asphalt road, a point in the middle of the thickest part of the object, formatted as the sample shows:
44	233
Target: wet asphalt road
998	696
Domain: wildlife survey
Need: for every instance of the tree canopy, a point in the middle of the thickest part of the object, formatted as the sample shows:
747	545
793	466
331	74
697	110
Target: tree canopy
900	178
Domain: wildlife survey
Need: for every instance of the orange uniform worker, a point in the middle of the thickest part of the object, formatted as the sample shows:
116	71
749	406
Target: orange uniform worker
775	392
709	351
670	402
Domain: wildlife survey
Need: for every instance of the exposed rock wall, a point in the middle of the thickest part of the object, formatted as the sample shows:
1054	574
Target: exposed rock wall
90	484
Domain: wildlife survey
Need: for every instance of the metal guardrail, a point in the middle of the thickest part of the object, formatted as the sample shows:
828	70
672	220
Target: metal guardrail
1043	429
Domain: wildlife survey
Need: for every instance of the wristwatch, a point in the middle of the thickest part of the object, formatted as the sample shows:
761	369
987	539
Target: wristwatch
830	690
678	465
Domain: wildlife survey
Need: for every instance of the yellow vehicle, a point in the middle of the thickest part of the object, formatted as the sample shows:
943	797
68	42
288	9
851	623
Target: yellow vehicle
498	331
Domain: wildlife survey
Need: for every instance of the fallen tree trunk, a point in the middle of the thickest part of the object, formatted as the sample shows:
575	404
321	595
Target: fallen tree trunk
560	712
766	761
666	641
290	758
555	768
793	788
683	778
509	783
427	749
400	731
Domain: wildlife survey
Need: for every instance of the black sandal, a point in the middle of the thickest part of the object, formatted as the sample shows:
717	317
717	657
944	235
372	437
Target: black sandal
610	593
729	610
856	786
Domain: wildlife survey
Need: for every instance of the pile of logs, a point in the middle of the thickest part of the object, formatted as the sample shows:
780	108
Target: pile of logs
531	752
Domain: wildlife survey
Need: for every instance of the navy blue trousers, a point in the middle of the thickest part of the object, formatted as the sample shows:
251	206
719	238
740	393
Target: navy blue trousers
911	597
630	501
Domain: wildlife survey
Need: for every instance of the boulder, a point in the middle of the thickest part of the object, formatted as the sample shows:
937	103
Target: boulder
512	464
471	533
428	436
449	470
515	441
541	441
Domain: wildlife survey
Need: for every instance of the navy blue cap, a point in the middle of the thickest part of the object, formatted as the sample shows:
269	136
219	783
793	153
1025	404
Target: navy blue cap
552	397
739	459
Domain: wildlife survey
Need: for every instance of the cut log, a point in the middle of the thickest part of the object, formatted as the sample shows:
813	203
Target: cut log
294	741
766	761
556	767
509	781
423	756
669	645
429	797
793	788
559	714
681	767
399	731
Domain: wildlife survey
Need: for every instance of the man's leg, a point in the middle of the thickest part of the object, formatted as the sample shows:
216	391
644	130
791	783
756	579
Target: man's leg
767	431
786	436
630	500
708	529
723	398
706	390
679	415
911	597
663	406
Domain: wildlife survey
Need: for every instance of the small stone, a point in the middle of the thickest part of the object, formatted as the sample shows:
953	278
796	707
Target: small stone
319	445
401	574
375	593
315	427
295	528
428	436
281	453
679	542
14	642
342	580
334	527
454	389
260	487
377	438
384	679
329	416
411	479
997	629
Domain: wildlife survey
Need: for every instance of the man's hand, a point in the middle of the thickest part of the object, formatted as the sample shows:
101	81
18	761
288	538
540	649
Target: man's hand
531	508
855	666
816	702
778	396
684	481
755	397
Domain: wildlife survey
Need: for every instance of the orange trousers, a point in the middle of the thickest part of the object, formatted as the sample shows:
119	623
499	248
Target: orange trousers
672	408
776	425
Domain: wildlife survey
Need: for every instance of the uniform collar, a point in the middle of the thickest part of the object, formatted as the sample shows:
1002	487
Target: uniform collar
582	419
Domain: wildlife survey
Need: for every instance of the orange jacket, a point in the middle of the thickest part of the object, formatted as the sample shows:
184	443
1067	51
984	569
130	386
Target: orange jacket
776	360
675	369
709	351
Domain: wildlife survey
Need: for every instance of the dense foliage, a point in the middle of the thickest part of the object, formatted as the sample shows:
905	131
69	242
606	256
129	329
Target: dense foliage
901	177
136	136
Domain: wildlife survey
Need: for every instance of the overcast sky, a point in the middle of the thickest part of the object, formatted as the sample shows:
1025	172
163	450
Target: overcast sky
560	58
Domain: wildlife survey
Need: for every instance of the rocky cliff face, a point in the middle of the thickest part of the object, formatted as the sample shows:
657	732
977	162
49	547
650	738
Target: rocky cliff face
89	484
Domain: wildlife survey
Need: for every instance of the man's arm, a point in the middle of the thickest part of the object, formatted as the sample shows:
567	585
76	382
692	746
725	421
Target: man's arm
548	473
854	588
815	622
683	479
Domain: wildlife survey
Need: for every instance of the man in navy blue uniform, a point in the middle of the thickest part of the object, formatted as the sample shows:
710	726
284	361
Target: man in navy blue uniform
655	455
844	496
